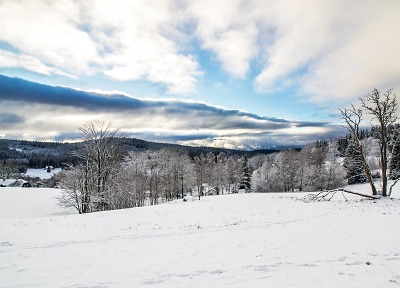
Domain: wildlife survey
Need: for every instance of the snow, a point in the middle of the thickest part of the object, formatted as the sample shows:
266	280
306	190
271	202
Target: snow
42	173
18	202
237	240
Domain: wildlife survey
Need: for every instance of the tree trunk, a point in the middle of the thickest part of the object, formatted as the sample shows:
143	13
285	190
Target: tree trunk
384	160
366	168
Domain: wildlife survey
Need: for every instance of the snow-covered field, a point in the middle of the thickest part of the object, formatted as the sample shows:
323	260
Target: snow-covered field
18	202
241	240
42	173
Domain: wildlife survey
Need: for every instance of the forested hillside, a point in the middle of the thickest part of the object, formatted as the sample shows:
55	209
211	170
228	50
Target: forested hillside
17	155
34	154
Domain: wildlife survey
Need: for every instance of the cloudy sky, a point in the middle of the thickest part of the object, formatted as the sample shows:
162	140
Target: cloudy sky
244	74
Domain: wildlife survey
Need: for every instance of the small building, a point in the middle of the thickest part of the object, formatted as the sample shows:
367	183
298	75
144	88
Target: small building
209	190
15	183
38	185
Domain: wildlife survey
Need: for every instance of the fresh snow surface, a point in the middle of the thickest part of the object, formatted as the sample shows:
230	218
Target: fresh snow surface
42	173
17	203
240	240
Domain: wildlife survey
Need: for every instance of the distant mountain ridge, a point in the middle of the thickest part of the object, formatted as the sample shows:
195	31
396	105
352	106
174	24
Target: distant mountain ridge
38	154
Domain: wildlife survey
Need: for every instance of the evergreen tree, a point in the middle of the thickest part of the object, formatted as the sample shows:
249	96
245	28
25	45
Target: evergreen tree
354	165
394	167
245	182
342	146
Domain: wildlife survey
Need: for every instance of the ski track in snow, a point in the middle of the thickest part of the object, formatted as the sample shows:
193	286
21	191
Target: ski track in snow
242	240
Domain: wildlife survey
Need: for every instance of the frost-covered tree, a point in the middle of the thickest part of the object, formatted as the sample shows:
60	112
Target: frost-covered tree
220	171
315	173
135	179
73	192
352	117
245	182
184	173
307	170
266	177
383	109
99	160
156	176
354	165
289	167
176	173
335	175
233	173
204	171
394	167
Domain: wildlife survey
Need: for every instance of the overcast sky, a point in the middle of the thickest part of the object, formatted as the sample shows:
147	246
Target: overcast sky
244	74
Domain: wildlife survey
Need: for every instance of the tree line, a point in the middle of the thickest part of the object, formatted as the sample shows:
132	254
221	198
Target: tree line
366	155
315	167
105	179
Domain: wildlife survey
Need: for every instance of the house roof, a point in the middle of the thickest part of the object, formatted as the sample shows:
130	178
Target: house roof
12	182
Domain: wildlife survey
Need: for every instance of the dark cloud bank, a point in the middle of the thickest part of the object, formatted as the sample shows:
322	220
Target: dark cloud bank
190	116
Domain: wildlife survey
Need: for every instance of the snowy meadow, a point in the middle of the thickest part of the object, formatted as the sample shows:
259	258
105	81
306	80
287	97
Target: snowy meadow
235	240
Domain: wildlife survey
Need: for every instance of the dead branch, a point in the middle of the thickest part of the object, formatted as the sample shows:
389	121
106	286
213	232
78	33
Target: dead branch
374	197
328	195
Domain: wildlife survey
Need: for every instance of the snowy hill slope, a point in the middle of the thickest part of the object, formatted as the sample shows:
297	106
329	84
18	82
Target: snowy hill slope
241	240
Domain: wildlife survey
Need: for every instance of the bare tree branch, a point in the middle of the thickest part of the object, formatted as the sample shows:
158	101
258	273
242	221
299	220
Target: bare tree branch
352	117
383	110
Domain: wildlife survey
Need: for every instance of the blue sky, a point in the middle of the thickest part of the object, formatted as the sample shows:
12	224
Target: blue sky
248	62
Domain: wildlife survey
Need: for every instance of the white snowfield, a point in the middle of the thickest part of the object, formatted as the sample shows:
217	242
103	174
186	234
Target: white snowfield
241	240
18	202
42	173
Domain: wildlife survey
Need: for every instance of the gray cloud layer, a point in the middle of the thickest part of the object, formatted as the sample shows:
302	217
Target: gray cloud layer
10	119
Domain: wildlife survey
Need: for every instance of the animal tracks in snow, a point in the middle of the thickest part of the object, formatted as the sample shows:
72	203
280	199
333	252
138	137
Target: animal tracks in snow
5	244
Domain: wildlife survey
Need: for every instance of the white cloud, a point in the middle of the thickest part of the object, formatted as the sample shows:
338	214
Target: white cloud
141	45
225	29
13	60
327	50
48	31
333	50
127	40
367	58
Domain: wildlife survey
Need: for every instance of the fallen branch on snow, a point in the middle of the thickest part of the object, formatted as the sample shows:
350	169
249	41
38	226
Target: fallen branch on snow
328	195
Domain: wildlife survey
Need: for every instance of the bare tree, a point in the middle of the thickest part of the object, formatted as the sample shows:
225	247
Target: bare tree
184	169
136	178
289	166
266	178
352	118
72	193
233	173
166	174
98	162
200	167
383	109
220	172
335	175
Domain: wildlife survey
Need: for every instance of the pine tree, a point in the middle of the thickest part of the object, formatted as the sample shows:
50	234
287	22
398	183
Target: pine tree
394	167
245	182
353	164
342	146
